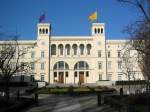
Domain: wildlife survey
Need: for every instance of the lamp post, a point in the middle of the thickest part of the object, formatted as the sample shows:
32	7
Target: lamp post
49	51
106	57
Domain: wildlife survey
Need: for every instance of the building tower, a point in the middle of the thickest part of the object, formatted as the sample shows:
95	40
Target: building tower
43	42
98	35
43	30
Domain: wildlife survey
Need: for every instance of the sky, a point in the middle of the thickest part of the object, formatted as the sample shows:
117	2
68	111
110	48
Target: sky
67	17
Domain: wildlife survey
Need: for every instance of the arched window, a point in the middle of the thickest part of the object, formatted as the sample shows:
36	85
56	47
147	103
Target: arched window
81	65
61	65
98	30
89	49
81	49
53	49
40	31
60	47
102	31
43	31
74	49
67	49
95	30
46	31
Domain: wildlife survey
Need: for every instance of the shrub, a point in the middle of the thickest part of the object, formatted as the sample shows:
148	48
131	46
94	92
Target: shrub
137	82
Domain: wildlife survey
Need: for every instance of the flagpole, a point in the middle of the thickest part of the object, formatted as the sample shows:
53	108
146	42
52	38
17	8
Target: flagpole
106	58
50	31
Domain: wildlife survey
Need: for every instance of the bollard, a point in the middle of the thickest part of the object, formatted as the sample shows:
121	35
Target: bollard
121	91
99	99
36	97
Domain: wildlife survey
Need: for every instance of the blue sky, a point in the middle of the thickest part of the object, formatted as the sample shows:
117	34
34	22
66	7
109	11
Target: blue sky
67	17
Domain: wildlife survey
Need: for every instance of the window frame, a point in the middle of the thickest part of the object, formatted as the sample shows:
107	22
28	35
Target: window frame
42	65
42	54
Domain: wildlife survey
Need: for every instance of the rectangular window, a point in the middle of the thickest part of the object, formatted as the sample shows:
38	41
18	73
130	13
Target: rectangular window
55	74
32	65
119	77
100	76
42	77
66	74
42	54
33	54
99	65
119	54
109	65
87	74
108	54
99	53
42	66
119	64
109	77
75	74
23	65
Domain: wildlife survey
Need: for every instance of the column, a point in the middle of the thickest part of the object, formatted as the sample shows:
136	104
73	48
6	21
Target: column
64	50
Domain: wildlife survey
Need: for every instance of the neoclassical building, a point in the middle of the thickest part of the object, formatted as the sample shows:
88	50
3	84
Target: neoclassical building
74	59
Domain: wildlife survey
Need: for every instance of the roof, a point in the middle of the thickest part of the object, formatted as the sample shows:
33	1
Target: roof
116	41
68	38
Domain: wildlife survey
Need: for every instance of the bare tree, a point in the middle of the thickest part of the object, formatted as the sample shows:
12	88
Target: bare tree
142	5
11	64
141	43
140	34
129	65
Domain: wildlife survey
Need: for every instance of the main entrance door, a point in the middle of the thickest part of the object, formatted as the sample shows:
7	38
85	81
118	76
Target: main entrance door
81	77
61	77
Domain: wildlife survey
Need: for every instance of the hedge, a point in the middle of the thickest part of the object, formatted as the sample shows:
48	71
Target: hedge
76	90
15	84
136	82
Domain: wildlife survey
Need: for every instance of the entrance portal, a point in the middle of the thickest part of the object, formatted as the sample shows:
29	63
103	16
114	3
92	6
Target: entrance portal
61	77
81	77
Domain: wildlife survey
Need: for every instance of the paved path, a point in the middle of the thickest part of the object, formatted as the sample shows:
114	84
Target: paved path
63	103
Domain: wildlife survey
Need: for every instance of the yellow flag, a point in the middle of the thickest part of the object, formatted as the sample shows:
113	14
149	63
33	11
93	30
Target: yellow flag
93	16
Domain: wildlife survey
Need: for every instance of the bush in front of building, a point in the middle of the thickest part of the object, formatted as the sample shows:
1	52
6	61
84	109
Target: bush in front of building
134	102
133	82
72	90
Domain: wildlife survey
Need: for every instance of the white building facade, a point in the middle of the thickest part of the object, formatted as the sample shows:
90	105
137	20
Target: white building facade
74	59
